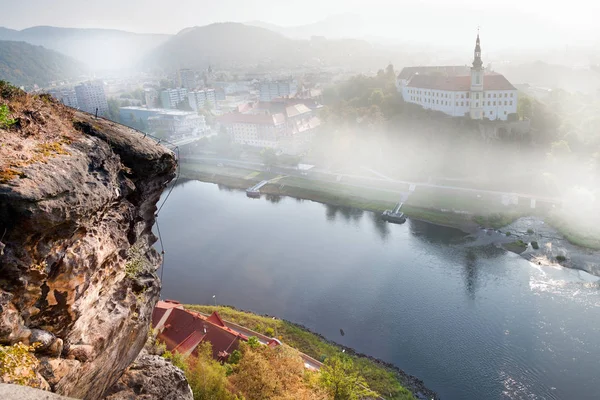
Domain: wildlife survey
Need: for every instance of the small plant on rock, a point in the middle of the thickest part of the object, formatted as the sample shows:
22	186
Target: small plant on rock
5	120
135	262
18	365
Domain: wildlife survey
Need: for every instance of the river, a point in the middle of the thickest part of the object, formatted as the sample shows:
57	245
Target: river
472	322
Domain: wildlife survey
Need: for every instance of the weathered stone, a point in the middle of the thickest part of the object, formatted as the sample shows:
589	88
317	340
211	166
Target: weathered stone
17	392
151	377
69	223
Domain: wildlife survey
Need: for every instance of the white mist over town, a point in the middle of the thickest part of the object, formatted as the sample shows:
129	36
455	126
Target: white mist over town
415	184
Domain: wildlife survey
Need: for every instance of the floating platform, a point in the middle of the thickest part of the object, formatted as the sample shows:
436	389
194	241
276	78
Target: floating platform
254	191
395	216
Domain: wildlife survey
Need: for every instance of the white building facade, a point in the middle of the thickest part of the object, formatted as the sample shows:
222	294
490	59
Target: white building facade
460	91
276	89
91	97
169	98
200	98
257	130
177	124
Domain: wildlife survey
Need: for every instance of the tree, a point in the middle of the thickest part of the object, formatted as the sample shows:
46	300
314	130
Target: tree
184	105
341	380
113	110
269	156
376	97
266	373
207	377
524	107
389	71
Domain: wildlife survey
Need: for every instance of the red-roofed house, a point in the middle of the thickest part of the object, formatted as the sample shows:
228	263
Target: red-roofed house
183	331
460	91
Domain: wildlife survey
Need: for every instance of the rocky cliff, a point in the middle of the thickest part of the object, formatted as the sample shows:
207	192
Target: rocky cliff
78	199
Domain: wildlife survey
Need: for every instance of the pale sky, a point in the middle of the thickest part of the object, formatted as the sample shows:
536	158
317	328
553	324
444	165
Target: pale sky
504	23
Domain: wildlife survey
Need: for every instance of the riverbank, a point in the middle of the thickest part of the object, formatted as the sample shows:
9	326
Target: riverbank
556	245
333	193
385	378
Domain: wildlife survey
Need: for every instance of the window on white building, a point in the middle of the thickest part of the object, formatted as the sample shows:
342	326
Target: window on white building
511	95
489	103
511	102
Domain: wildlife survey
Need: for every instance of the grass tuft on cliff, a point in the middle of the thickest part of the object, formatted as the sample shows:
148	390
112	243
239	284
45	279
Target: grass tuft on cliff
33	128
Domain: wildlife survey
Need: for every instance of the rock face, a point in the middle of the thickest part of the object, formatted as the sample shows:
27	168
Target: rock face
77	270
151	377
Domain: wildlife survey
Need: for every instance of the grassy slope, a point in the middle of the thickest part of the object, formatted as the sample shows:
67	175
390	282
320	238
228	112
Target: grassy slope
379	378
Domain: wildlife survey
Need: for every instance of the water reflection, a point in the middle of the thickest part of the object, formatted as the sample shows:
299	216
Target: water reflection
347	213
381	227
471	273
435	234
273	198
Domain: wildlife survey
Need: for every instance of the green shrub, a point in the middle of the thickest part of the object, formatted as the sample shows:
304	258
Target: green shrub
177	359
253	342
535	245
235	357
508	234
5	120
270	332
561	258
530	231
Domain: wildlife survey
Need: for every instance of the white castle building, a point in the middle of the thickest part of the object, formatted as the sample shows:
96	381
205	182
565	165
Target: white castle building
459	90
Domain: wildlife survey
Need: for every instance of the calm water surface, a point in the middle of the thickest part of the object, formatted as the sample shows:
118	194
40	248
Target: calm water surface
473	323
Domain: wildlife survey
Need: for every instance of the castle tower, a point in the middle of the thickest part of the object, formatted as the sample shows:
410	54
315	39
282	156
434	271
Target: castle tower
477	75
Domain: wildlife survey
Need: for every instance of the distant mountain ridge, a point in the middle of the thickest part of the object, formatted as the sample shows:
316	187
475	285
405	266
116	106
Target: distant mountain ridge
234	44
98	48
23	64
333	27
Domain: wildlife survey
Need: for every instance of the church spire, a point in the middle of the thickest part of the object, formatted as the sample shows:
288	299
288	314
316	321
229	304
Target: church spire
477	63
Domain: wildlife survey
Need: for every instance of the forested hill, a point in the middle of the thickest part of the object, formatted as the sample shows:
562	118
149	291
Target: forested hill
23	64
238	45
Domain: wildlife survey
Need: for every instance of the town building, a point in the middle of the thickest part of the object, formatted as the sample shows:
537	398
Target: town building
199	99
66	96
460	91
286	126
170	98
176	124
258	130
91	97
151	97
270	90
187	79
131	116
183	331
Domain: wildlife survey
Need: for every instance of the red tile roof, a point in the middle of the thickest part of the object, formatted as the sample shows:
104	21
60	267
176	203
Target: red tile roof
459	83
184	330
215	319
190	343
446	70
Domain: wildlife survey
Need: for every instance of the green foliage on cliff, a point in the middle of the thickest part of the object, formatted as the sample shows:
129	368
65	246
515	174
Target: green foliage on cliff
5	120
136	262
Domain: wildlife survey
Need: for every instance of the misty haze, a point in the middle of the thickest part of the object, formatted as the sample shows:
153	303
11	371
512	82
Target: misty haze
316	200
